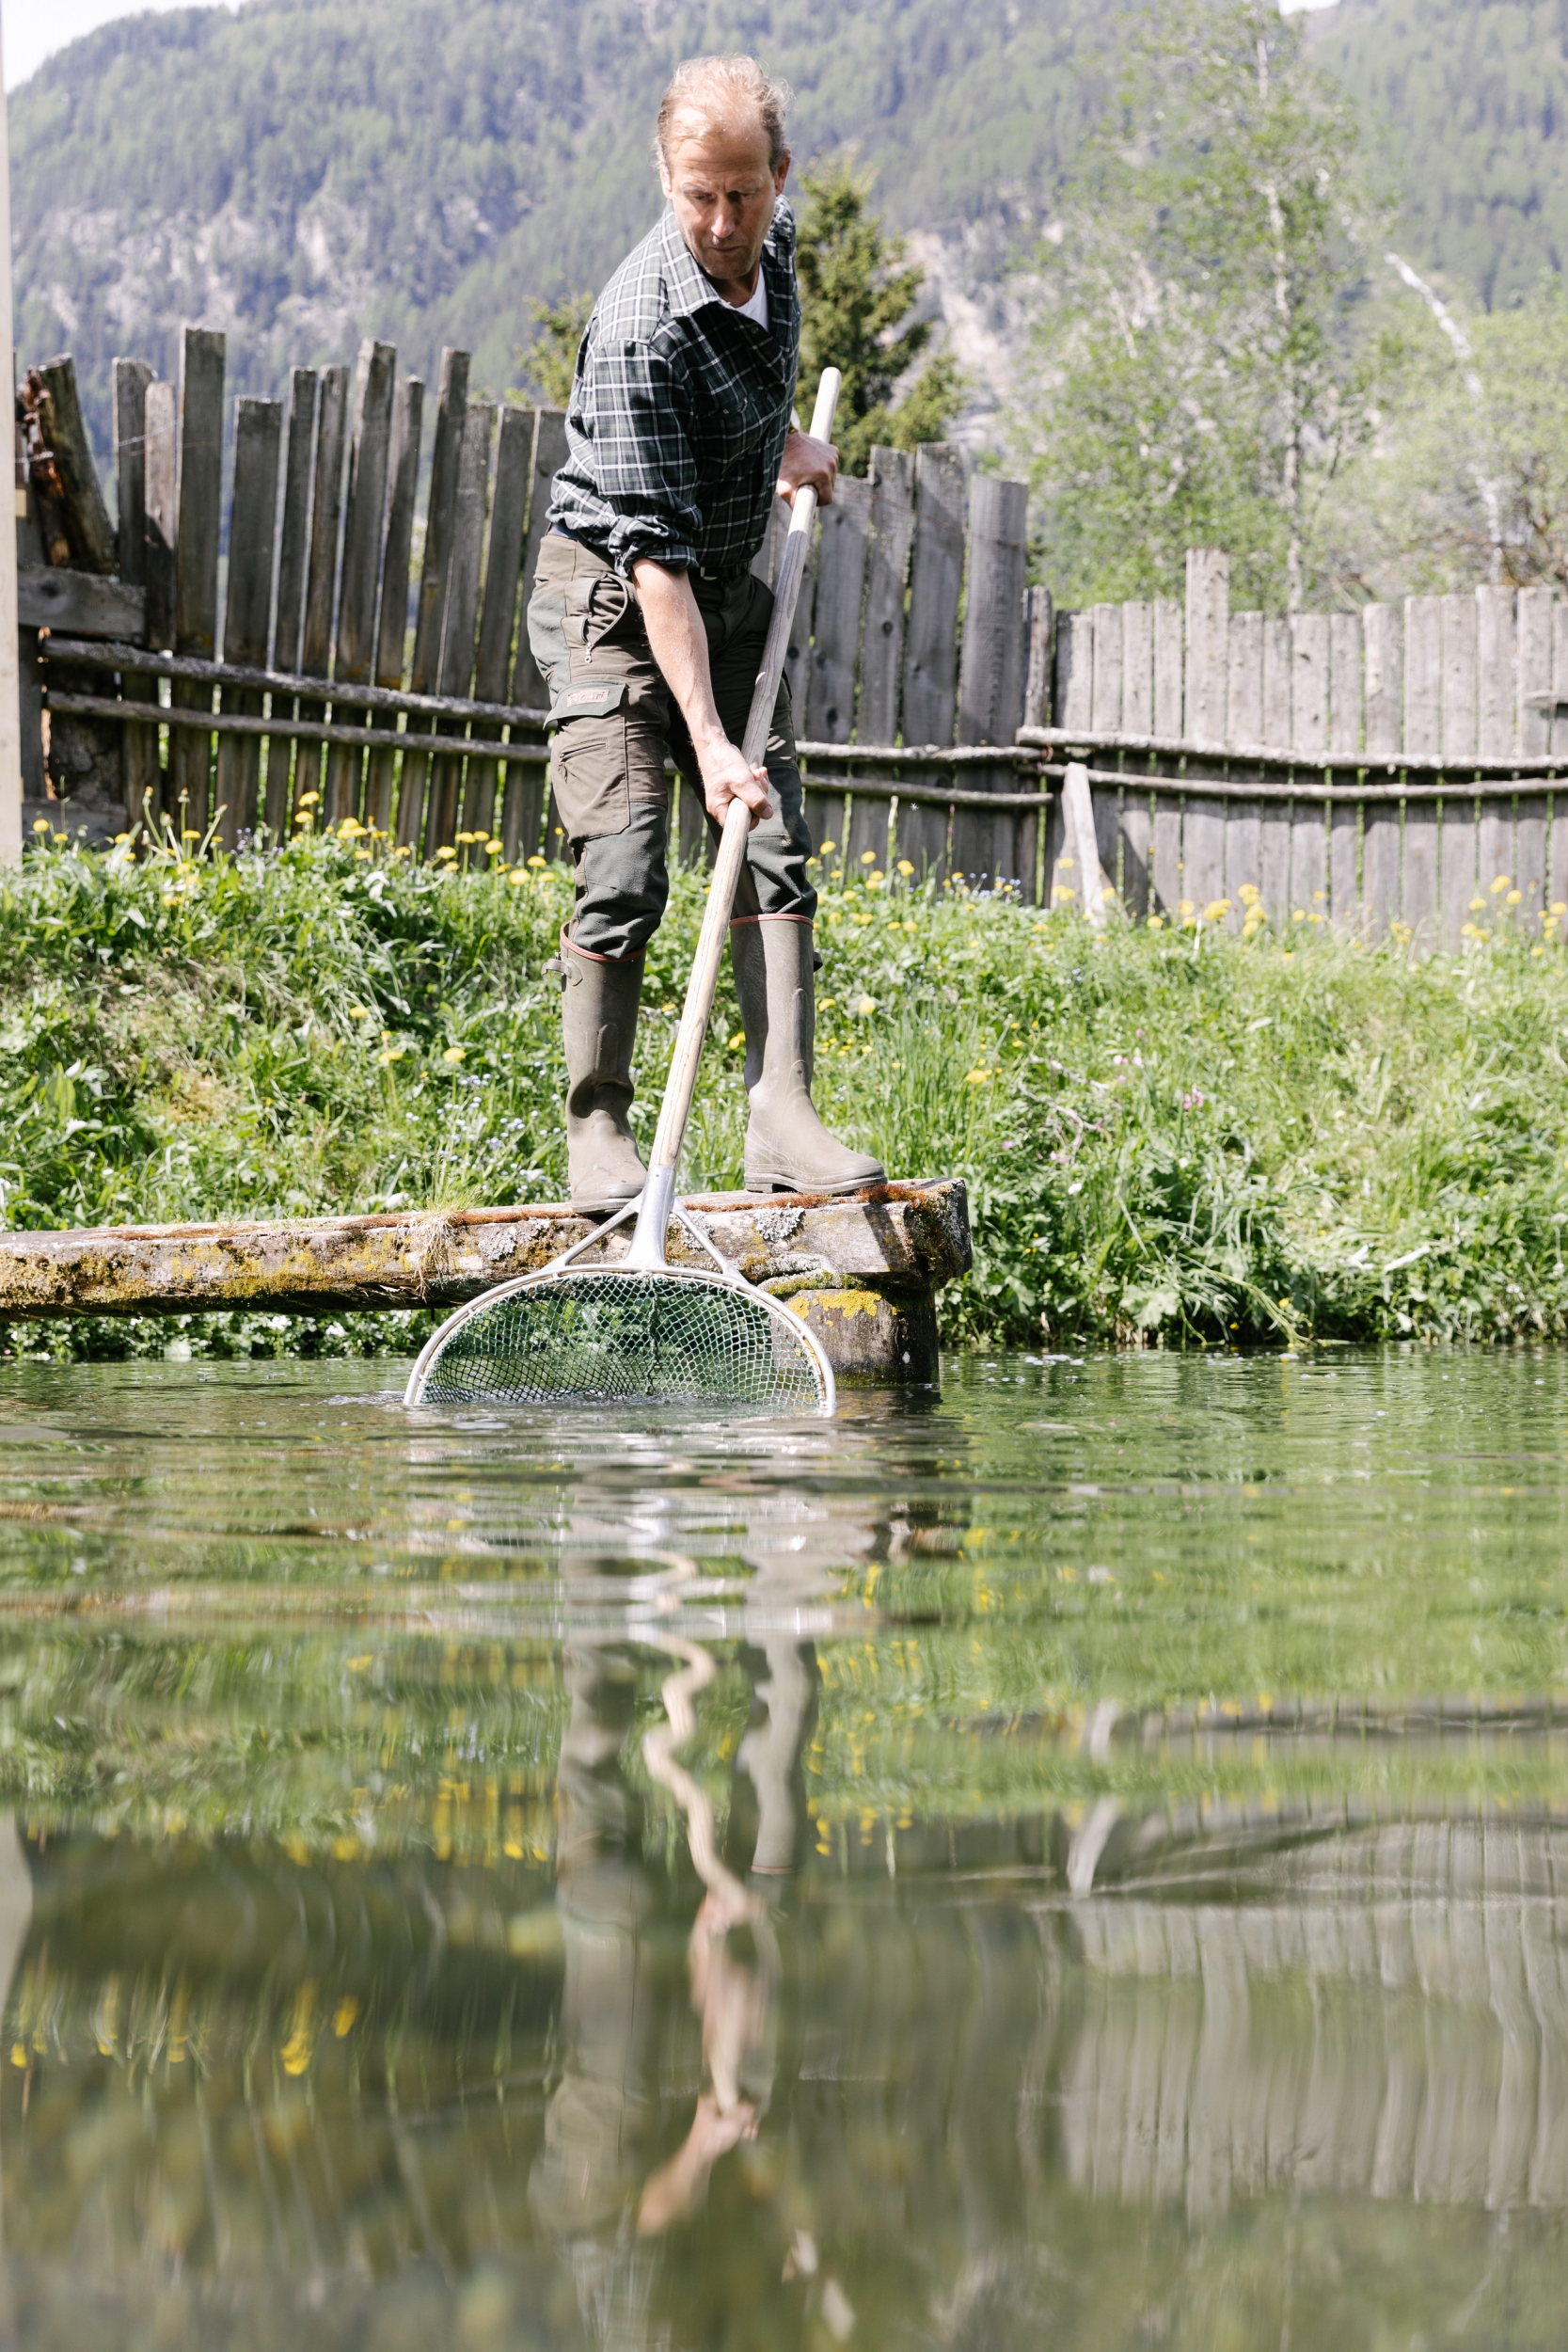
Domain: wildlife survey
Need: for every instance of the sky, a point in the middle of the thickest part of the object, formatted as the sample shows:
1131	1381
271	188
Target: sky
32	30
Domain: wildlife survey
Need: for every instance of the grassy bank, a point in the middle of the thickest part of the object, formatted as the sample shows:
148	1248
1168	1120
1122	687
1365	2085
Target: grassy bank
1172	1135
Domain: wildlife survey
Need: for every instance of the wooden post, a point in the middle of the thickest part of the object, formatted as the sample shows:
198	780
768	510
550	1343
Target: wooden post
1534	726
1423	690
10	642
247	607
89	534
293	555
1457	840
354	653
1383	642
1243	706
887	569
161	414
440	513
936	578
1207	633
841	565
392	630
196	564
498	614
990	668
1345	666
457	649
1309	642
1137	718
320	578
131	380
1497	699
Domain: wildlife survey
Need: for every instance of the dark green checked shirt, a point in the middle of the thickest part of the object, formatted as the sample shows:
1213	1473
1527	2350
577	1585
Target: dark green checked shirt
680	409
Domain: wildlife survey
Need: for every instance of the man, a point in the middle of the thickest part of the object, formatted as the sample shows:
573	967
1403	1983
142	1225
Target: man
649	626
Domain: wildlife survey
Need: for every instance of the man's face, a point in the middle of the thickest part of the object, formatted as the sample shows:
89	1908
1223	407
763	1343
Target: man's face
722	187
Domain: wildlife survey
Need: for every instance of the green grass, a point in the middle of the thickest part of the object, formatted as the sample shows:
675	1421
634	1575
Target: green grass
1177	1135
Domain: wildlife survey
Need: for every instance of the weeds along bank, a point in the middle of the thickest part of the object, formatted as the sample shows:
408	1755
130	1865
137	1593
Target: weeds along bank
1169	1134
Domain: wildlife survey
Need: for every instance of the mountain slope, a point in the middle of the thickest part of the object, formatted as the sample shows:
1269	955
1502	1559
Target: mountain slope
310	170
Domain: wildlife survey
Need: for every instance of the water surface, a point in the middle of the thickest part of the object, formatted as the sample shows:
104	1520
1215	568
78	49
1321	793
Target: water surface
1128	1804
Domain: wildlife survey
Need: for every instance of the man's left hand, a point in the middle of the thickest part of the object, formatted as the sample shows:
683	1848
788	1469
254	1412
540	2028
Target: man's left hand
807	463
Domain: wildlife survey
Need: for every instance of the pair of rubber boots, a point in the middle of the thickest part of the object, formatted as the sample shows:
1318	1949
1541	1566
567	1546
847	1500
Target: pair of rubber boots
787	1148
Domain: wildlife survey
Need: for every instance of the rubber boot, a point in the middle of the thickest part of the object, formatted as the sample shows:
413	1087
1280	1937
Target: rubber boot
787	1148
598	1015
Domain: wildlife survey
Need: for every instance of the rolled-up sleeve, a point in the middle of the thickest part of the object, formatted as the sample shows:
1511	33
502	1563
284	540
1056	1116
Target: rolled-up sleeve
635	400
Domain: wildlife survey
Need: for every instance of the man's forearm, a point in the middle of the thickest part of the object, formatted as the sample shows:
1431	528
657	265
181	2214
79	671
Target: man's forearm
678	643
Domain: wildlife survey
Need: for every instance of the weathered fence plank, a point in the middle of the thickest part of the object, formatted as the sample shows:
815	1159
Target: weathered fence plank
458	643
1309	645
1423	706
294	557
1244	679
1496	698
1208	632
1074	689
370	455
392	629
161	415
1383	639
1166	855
1533	724
887	570
1169	665
196	563
440	515
320	577
1105	700
1457	817
140	758
248	603
1137	669
846	533
1039	654
89	533
498	614
936	579
991	669
550	456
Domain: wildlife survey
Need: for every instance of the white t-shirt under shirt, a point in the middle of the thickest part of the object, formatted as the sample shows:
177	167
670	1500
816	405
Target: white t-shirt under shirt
757	307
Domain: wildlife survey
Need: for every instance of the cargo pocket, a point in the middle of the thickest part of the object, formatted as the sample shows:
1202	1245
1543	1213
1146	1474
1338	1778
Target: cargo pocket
589	770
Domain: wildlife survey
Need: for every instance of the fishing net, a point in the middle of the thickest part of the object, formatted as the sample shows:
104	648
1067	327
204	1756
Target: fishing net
596	1335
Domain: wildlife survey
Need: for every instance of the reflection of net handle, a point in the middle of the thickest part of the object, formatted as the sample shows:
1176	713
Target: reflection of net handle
681	1084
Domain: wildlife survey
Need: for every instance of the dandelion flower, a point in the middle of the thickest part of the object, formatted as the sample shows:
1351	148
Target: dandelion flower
737	1041
536	860
1499	882
904	867
454	1053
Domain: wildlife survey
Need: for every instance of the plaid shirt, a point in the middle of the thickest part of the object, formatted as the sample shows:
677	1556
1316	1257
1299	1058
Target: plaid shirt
680	409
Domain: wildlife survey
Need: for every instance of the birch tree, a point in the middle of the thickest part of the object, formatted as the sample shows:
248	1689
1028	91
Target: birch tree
1195	375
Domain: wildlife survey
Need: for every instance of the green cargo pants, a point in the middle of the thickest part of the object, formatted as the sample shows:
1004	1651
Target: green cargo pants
615	720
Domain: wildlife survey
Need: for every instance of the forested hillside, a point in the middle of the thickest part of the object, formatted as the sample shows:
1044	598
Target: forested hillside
310	170
1467	101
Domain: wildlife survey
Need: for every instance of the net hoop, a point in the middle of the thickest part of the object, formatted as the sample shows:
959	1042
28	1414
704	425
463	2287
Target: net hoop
790	1325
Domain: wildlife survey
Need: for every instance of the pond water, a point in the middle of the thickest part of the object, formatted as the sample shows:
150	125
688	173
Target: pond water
1082	1860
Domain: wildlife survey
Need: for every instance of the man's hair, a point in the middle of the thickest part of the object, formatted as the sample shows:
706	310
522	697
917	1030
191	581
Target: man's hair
705	91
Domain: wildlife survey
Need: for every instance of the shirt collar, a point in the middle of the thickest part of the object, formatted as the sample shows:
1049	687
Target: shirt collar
689	286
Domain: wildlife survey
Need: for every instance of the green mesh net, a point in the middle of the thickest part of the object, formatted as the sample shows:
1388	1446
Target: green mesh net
600	1335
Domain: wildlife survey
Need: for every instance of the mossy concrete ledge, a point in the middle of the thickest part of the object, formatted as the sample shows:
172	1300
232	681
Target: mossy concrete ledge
863	1272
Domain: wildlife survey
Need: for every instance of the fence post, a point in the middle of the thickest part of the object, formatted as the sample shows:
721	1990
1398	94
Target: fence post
196	563
991	666
10	639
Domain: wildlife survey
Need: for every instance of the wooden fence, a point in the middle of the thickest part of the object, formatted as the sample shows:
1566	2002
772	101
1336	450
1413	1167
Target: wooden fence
1389	768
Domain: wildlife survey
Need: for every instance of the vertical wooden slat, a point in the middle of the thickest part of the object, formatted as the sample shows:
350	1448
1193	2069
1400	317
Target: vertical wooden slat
869	820
1169	667
1244	854
936	578
247	605
293	556
320	578
1204	690
991	669
837	630
1278	665
1382	651
1557	850
458	643
1275	822
1273	859
1308	858
196	564
440	512
1344	864
1346	665
887	569
826	815
1138	842
1243	723
1497	700
1460	700
796	667
354	655
1106	712
1557	746
1074	691
1137	669
161	493
1309	642
1167	853
391	628
1039	638
550	456
498	614
1208	632
131	380
1535	728
1423	707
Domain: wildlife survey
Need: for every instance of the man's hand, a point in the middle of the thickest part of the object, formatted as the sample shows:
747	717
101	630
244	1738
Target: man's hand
678	643
806	462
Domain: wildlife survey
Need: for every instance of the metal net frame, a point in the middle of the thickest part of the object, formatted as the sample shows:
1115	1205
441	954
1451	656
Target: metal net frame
607	1335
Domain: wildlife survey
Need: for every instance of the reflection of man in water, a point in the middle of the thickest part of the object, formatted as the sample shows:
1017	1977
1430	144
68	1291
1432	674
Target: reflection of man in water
599	2188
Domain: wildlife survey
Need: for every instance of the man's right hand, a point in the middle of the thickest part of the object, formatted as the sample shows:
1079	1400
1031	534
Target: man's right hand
726	778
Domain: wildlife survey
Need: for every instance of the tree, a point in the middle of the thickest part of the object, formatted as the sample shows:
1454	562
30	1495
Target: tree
1195	379
549	363
856	297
